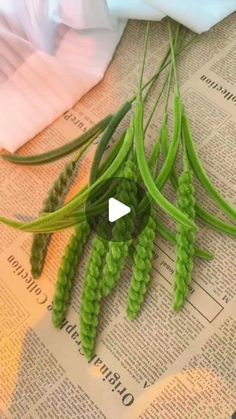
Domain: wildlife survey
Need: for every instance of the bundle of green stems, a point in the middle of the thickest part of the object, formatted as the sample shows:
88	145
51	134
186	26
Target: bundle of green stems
128	159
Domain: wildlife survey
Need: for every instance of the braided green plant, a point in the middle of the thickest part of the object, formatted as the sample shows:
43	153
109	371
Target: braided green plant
118	248
67	270
185	238
91	296
52	202
142	267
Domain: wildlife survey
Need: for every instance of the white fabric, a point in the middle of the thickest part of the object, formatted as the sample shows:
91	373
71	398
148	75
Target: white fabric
53	51
134	9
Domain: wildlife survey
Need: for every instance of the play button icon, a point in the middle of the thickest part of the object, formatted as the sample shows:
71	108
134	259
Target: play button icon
117	210
115	202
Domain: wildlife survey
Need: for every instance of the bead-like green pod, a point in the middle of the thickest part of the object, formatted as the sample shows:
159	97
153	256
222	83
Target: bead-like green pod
142	267
53	200
73	254
119	249
91	296
185	240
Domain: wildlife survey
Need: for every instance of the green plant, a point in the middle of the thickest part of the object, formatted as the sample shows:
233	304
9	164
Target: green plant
185	238
52	202
142	266
129	159
148	180
91	296
111	127
118	248
67	271
58	153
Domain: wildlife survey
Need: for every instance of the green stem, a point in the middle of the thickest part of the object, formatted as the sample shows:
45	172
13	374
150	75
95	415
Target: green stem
174	146
144	55
165	65
57	219
155	106
173	56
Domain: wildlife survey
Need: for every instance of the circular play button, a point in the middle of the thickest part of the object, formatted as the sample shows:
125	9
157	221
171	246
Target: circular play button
117	209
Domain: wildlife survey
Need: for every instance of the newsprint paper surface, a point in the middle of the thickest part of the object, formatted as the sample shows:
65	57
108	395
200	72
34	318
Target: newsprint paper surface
162	365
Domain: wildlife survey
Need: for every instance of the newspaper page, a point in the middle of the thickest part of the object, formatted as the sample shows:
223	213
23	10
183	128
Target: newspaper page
162	365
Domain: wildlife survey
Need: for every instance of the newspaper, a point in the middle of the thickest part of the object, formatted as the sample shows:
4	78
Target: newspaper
162	365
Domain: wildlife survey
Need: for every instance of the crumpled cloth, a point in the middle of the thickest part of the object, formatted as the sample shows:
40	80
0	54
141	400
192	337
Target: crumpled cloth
53	51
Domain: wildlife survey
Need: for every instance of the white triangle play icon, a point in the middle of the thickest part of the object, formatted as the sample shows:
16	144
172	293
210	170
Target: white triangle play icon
117	210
